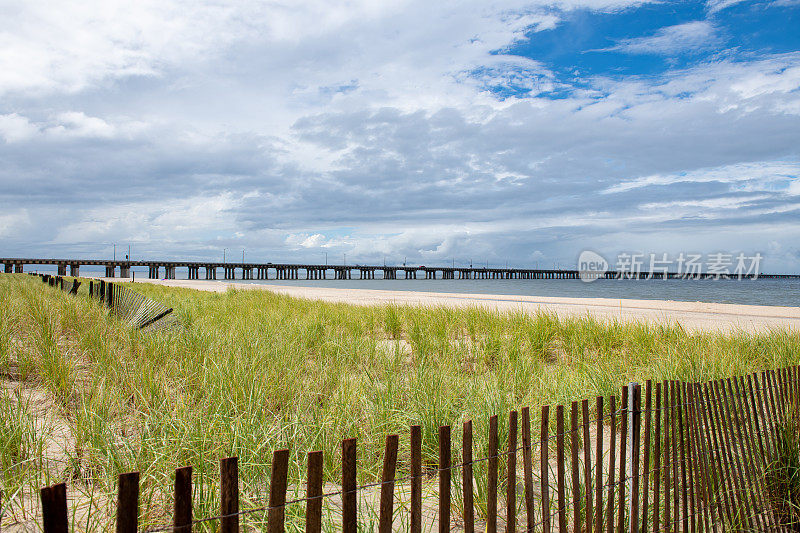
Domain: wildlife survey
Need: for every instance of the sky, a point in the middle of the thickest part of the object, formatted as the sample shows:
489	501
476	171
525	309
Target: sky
514	132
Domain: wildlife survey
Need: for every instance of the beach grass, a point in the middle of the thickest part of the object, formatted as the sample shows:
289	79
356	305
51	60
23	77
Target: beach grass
85	397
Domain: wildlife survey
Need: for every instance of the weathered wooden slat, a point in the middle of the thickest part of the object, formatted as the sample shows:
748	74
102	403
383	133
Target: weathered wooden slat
387	486
544	465
574	442
276	515
491	494
511	474
647	415
182	507
684	495
560	460
467	478
635	424
445	451
128	502
623	462
314	492
598	466
657	414
54	509
527	468
229	495
612	462
587	467
349	494
416	479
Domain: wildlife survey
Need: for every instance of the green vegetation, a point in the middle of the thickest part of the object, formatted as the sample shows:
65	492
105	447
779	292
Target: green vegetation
85	398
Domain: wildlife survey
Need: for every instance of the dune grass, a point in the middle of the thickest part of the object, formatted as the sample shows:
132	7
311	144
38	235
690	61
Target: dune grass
251	371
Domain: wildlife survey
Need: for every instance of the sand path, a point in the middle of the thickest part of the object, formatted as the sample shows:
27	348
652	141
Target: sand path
696	316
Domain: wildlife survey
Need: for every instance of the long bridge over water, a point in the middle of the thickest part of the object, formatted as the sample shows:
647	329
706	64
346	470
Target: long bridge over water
264	271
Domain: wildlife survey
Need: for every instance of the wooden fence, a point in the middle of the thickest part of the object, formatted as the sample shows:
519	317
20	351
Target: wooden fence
127	305
671	456
693	457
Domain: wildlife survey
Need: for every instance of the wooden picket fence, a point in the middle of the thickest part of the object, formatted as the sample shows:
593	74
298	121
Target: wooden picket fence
694	457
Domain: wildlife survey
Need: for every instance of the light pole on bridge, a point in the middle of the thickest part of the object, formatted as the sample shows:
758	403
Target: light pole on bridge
223	254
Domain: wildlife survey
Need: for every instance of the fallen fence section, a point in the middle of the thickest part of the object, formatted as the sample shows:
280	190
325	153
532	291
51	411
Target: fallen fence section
694	457
129	306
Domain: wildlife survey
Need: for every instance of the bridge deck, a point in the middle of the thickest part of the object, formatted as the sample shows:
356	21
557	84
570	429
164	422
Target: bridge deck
319	271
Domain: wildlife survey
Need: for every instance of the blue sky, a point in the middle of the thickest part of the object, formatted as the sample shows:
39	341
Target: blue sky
519	132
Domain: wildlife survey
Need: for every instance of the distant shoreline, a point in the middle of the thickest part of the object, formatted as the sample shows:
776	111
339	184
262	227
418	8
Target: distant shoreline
694	316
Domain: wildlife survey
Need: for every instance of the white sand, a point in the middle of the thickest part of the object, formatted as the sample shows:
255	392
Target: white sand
696	316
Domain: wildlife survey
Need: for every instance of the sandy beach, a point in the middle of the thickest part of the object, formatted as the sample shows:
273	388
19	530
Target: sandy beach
694	316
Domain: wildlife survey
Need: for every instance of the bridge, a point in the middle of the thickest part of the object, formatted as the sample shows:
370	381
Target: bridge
264	271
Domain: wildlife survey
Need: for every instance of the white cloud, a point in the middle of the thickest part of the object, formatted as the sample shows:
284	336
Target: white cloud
762	173
15	128
713	6
688	37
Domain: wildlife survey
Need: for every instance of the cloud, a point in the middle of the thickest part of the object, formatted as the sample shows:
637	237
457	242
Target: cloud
763	174
14	128
682	38
714	6
397	129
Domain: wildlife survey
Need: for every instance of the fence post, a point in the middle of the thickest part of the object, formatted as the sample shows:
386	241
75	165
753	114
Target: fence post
634	431
544	477
527	467
349	496
54	509
467	476
387	487
587	465
598	466
560	460
511	480
612	462
491	496
182	509
277	491
624	477
648	408
229	488
314	493
575	468
445	450
128	503
416	479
